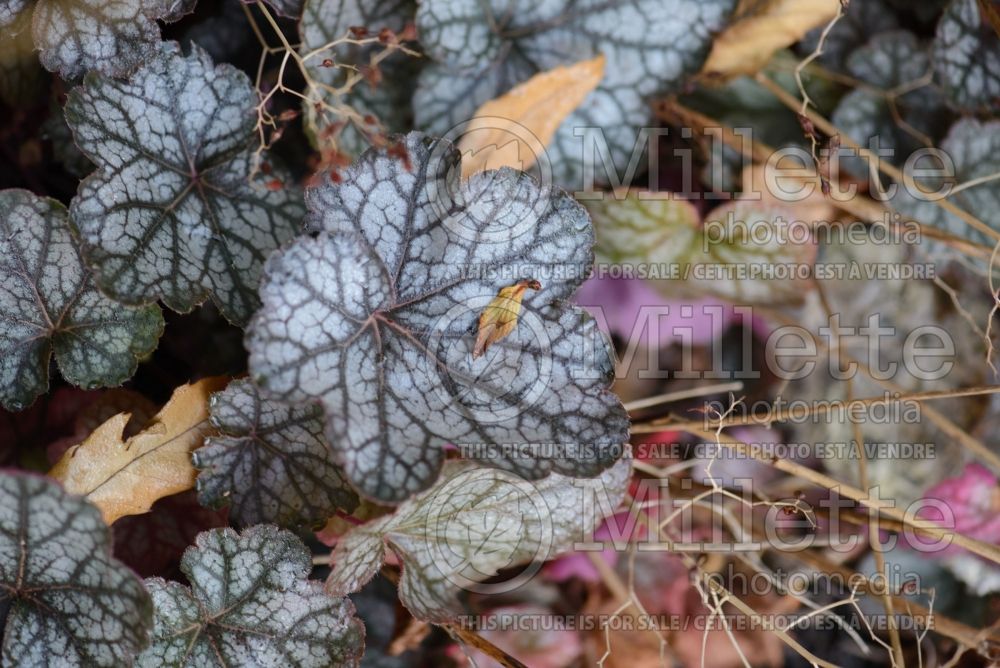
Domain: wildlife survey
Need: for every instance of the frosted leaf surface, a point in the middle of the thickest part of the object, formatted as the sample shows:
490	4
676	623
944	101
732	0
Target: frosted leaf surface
472	523
482	49
170	214
250	603
270	462
967	57
66	600
892	60
974	148
50	304
75	36
375	318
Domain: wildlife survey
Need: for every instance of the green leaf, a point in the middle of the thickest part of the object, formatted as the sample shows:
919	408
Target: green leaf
482	49
661	238
271	462
170	214
326	21
49	303
644	227
250	603
66	601
967	57
375	319
74	36
472	523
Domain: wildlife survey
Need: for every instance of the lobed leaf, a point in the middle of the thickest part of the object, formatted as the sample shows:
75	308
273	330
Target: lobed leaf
662	233
250	603
967	57
472	523
75	36
892	60
906	313
270	462
642	226
482	49
65	600
375	318
862	20
49	303
170	214
974	149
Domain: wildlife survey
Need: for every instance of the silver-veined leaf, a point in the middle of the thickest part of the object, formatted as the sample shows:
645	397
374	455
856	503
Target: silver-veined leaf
472	523
973	146
892	60
169	213
967	57
482	49
74	36
250	603
375	318
50	304
862	20
270	462
66	601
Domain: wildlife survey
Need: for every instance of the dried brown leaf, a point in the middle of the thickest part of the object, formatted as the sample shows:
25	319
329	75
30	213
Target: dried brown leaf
126	476
746	45
499	318
513	130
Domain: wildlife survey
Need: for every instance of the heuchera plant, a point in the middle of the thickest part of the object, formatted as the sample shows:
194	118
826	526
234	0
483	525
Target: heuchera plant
259	217
360	312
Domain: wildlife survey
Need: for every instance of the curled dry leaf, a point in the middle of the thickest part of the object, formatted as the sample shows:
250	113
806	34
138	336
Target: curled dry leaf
748	43
126	476
513	130
499	318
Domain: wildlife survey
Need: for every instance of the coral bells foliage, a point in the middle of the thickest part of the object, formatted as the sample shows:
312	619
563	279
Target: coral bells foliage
359	329
319	320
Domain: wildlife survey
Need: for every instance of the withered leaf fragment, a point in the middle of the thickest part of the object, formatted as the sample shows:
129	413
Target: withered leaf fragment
499	318
125	476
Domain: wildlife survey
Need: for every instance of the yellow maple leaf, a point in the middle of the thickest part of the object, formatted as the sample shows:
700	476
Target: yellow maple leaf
126	476
513	130
499	318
